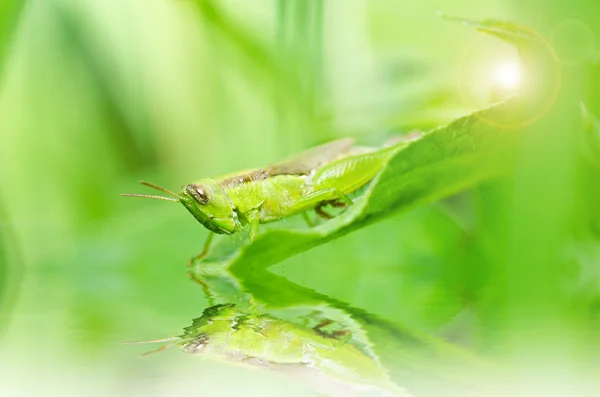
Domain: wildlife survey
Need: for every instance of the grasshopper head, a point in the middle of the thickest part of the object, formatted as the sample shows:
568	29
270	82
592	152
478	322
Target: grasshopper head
210	205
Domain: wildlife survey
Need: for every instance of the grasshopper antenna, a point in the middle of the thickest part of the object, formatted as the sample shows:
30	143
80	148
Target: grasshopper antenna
162	189
173	341
153	186
149	196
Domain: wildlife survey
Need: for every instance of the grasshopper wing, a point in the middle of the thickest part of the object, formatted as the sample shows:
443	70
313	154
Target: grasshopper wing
305	162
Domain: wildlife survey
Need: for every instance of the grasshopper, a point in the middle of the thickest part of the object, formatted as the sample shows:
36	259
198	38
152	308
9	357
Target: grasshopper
242	335
323	175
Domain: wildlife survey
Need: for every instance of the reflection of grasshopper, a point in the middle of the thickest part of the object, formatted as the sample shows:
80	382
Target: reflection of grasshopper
413	359
226	332
321	176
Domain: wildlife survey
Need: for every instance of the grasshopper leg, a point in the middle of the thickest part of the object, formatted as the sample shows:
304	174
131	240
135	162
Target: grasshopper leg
201	255
321	212
254	220
321	325
345	200
320	198
207	244
315	198
160	349
338	334
307	219
338	204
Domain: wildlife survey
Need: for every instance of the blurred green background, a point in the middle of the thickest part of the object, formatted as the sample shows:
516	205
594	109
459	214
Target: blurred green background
96	95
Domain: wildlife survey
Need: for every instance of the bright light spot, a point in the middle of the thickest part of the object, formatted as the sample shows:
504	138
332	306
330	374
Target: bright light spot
508	75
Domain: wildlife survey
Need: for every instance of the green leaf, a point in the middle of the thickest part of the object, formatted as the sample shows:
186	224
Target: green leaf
443	162
507	31
541	64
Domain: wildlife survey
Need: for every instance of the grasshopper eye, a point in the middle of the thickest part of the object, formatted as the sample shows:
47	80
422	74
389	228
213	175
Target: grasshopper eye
200	193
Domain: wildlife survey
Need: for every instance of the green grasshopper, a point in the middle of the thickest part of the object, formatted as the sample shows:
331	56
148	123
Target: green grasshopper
323	175
232	334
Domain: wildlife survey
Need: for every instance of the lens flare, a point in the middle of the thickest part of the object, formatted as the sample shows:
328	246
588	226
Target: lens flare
508	75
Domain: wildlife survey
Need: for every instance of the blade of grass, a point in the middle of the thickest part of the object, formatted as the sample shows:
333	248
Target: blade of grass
127	132
10	269
10	12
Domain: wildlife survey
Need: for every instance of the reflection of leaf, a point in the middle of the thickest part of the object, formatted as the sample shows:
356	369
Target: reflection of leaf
592	94
592	137
3	268
590	169
411	358
444	161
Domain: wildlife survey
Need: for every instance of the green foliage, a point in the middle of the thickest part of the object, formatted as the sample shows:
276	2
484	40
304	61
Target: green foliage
476	247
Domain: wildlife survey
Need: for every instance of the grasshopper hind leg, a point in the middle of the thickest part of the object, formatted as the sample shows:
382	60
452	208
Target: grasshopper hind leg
321	212
342	202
